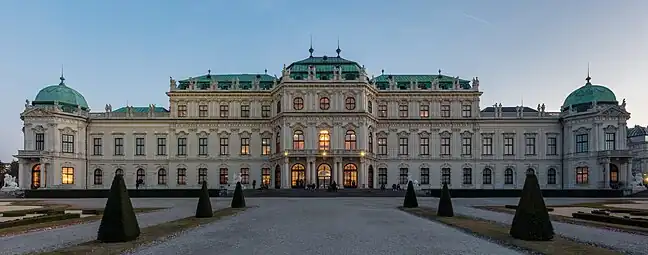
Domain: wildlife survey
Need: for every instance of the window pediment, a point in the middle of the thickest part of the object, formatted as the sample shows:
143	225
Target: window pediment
224	134
466	134
324	125
530	135
582	131
424	134
203	134
266	134
67	131
382	134
244	134
508	135
610	129
403	134
446	165
445	134
39	129
298	126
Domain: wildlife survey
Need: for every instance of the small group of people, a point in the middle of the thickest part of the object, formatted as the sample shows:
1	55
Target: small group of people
395	187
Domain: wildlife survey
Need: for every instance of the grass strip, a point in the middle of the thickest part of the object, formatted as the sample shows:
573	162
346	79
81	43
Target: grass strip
499	233
148	235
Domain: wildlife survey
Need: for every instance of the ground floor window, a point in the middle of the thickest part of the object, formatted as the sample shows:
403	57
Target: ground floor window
162	177
508	176
445	176
202	175
382	176
467	176
551	176
403	176
582	175
245	176
487	176
223	176
425	176
265	176
98	177
67	175
182	176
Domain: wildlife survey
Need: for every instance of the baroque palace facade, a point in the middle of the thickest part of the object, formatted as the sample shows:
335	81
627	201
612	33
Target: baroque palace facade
324	120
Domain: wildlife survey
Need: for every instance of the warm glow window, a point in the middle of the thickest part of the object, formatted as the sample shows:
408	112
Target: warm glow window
245	176
582	175
324	140
265	176
67	175
298	140
245	146
265	146
223	176
424	111
350	140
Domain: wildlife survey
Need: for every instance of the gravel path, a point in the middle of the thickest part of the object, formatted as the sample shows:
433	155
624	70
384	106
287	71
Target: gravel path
628	243
324	226
75	234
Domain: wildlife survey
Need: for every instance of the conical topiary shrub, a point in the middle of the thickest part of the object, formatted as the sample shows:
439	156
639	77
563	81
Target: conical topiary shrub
445	203
410	197
531	221
204	209
238	201
118	223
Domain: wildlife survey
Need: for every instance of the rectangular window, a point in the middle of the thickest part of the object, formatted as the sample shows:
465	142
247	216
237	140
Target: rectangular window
445	111
445	176
424	146
265	111
551	176
467	176
487	146
402	111
139	146
265	176
224	111
403	176
382	146
552	146
67	175
182	176
223	173
582	175
466	111
203	111
530	146
425	176
403	144
119	146
97	146
382	110
582	144
245	146
265	146
424	111
40	141
445	146
182	110
370	142
224	146
382	176
202	175
245	111
610	141
508	146
182	146
203	148
466	146
245	176
161	146
67	143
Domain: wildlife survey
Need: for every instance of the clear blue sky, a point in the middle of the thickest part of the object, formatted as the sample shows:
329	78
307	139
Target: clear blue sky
124	51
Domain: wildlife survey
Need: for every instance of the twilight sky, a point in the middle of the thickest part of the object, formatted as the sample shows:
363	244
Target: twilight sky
124	51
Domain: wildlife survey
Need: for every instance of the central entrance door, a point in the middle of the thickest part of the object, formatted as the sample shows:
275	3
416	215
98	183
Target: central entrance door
370	177
614	175
323	176
350	176
298	176
36	176
277	177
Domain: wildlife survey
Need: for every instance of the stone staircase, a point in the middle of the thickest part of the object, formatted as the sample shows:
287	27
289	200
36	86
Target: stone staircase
321	193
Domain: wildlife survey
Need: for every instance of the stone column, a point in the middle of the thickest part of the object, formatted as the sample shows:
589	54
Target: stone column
362	176
335	172
308	172
286	174
628	172
606	175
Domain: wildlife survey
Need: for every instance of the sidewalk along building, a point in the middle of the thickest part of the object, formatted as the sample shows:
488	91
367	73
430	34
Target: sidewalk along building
325	120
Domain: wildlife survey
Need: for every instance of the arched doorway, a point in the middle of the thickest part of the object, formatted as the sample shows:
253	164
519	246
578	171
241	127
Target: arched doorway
370	177
350	176
277	178
323	176
36	176
614	174
530	171
298	175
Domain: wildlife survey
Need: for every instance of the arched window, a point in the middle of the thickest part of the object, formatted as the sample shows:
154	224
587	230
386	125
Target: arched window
36	176
324	140
141	174
370	142
278	106
162	177
467	176
551	176
298	103
350	103
119	171
202	175
278	142
445	176
298	140
350	140
350	176
298	174
325	103
370	107
487	176
508	176
98	177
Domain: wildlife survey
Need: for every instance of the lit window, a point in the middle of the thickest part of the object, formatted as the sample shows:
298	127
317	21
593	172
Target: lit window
324	140
67	175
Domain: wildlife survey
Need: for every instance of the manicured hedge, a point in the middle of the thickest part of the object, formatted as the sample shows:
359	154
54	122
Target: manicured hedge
13	214
611	219
38	219
92	211
514	207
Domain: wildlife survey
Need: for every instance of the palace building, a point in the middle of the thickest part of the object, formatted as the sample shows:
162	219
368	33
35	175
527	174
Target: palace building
325	120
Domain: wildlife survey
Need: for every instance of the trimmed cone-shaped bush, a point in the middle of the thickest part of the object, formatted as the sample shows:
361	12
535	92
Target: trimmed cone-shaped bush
118	223
238	201
531	221
445	203
410	197
204	209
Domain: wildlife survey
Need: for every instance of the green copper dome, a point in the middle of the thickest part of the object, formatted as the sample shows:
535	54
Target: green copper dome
588	94
61	94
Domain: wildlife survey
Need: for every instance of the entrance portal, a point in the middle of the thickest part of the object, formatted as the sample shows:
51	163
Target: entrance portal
298	176
36	176
323	176
277	177
614	175
370	176
350	176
